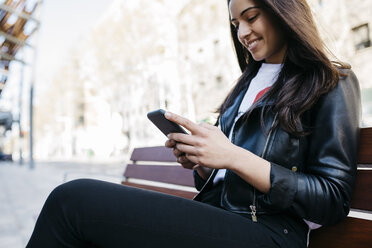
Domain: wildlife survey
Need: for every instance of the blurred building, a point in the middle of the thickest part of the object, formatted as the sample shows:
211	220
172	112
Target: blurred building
175	55
18	24
15	21
346	27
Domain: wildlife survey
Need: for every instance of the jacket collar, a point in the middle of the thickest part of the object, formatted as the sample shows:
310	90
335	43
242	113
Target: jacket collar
227	119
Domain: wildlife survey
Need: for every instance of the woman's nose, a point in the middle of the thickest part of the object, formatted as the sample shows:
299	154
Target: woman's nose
244	31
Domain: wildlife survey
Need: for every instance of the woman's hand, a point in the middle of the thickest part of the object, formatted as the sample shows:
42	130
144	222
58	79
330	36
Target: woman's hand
207	146
186	163
181	156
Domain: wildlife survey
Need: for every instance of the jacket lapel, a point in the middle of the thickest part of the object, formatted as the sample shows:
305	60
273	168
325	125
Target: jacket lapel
227	119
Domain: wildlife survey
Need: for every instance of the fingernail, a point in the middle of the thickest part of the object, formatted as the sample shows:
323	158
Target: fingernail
168	136
167	114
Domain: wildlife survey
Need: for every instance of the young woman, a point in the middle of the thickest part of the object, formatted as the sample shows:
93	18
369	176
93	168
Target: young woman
282	159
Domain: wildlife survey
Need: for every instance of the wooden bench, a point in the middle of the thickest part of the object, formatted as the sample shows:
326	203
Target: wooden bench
356	229
155	168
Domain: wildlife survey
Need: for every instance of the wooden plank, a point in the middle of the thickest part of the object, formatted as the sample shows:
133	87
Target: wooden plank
159	173
362	194
155	153
368	166
365	146
175	192
351	232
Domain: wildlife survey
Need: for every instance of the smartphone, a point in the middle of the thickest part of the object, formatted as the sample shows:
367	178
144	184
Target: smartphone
166	126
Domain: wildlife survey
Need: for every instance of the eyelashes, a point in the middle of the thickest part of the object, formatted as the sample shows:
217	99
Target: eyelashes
235	27
250	20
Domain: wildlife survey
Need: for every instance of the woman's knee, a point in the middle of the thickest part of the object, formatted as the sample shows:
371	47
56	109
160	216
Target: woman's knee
70	192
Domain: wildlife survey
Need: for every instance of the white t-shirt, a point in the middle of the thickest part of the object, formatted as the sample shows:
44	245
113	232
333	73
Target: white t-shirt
265	78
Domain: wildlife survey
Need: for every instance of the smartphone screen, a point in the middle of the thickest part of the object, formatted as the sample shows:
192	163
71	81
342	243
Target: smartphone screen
166	126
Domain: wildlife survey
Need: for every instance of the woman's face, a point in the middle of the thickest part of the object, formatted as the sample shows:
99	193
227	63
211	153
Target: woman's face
257	31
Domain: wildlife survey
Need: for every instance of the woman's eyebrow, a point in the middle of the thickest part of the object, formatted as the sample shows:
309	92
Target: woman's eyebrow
242	13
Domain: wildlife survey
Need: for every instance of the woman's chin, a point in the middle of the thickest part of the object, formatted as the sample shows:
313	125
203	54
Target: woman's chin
258	59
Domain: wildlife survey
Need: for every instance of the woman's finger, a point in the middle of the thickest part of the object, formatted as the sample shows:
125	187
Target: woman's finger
188	165
183	138
194	159
186	148
207	126
186	123
182	159
177	152
170	143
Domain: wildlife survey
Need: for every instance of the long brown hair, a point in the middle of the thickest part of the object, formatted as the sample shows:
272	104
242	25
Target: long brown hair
307	72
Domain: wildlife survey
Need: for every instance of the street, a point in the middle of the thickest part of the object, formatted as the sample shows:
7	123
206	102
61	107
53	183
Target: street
23	192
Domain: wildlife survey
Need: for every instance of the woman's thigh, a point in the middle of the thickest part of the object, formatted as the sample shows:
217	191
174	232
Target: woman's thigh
88	212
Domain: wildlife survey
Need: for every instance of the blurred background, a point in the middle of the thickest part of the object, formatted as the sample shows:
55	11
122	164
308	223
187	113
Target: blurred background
96	68
78	77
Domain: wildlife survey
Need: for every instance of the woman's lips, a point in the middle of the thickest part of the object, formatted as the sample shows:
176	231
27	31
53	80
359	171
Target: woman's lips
251	45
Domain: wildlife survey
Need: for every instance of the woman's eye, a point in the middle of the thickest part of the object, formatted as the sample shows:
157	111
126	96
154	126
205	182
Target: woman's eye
252	18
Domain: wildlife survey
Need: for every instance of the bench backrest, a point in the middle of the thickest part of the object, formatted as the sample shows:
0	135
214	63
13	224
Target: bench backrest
153	154
169	172
145	166
355	231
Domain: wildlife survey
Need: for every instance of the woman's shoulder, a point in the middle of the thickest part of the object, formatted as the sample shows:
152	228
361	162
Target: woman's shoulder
347	80
345	92
345	73
341	106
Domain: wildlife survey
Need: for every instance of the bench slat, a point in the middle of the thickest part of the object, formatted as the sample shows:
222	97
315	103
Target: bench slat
365	146
159	173
362	194
155	153
351	232
175	192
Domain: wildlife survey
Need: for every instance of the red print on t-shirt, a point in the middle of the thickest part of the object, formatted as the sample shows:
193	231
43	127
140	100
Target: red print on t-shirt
258	96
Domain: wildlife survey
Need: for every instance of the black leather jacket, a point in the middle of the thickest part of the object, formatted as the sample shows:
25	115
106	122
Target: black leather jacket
311	176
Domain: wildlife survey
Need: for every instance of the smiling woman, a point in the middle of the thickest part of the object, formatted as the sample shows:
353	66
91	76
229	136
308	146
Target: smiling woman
258	32
280	160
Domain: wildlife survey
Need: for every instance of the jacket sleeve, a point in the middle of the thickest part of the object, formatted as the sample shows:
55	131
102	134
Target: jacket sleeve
322	193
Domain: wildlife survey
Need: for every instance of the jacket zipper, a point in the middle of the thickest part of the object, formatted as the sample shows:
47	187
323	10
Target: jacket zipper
253	206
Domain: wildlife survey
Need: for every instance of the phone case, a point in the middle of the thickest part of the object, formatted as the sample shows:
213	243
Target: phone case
166	126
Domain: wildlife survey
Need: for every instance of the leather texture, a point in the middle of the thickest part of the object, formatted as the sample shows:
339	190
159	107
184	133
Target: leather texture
312	176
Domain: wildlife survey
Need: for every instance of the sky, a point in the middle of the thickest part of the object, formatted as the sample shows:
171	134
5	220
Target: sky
63	23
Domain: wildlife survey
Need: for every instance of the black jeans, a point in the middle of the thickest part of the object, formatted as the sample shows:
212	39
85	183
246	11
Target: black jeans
90	213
